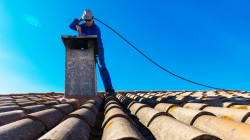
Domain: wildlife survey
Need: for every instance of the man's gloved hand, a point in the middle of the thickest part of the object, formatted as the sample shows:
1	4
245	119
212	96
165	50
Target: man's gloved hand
64	100
80	20
78	28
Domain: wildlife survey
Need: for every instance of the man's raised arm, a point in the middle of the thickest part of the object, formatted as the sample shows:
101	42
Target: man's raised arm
73	24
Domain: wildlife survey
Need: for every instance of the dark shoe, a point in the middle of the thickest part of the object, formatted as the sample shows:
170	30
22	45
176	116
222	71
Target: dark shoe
110	92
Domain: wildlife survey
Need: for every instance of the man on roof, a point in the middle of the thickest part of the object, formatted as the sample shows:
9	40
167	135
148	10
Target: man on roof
90	28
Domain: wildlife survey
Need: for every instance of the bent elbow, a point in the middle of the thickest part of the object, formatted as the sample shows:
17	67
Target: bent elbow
71	27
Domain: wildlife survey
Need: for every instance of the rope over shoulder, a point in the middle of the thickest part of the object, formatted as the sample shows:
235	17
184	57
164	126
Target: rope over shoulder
156	63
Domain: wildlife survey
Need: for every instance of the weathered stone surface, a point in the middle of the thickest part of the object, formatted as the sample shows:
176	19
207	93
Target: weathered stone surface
80	67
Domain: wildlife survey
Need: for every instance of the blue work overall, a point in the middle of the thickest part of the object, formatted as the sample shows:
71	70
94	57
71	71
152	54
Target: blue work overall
94	30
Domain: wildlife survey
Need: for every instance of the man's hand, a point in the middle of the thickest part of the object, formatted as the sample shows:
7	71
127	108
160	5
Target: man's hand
78	28
80	20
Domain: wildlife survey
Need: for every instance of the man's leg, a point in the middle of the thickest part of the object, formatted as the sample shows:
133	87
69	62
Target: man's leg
103	70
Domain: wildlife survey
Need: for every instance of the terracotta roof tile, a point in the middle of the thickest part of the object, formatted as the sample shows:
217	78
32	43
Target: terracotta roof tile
9	103
86	115
218	103
246	107
117	124
197	106
72	128
239	115
50	103
11	116
228	104
165	107
135	107
134	114
77	124
34	108
49	117
187	116
148	114
22	104
112	113
64	108
121	128
109	103
247	120
92	107
127	101
164	128
223	128
111	106
23	129
159	124
95	102
8	108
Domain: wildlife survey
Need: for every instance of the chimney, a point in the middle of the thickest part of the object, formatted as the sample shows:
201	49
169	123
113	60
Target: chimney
80	67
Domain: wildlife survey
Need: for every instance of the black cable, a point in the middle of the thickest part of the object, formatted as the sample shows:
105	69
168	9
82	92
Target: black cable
155	62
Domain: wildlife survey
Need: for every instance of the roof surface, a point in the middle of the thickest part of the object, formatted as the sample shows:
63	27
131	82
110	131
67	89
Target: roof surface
142	115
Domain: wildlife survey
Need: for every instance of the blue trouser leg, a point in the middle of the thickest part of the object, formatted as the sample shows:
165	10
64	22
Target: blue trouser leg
103	70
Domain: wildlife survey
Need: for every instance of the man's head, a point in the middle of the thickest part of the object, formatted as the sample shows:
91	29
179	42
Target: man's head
89	22
88	17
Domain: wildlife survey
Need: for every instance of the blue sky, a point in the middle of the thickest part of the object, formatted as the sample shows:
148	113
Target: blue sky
204	41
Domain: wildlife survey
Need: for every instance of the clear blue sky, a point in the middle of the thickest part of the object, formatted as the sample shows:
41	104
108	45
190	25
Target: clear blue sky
204	41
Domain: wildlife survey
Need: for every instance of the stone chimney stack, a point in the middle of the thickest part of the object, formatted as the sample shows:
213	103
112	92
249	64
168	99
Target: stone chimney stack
80	67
